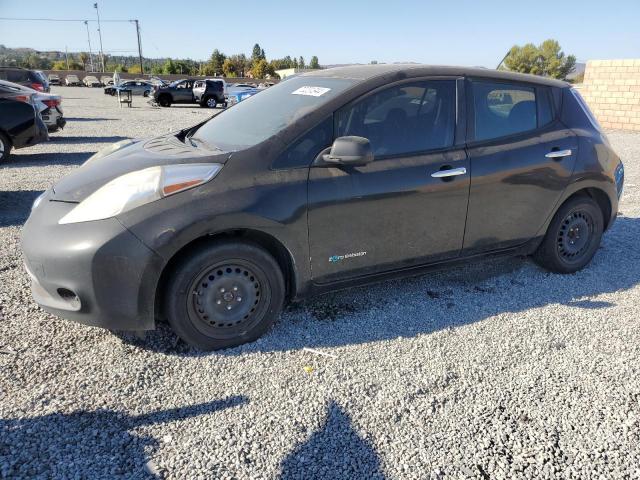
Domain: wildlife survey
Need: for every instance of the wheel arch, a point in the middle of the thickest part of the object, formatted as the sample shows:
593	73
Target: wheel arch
268	242
608	204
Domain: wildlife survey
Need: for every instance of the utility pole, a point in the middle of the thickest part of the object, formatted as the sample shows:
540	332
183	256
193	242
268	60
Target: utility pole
95	5
66	56
86	24
139	45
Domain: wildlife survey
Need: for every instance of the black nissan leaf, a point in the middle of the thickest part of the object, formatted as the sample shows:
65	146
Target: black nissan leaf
331	179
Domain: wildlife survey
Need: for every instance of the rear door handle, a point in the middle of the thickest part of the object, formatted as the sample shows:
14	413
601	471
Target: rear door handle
451	172
558	153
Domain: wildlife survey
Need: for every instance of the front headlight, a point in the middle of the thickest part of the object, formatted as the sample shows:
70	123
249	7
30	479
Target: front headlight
110	149
138	188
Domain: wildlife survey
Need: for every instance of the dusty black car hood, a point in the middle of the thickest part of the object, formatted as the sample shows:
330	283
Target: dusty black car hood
164	150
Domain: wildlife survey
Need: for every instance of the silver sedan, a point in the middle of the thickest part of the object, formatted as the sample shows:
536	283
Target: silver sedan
136	87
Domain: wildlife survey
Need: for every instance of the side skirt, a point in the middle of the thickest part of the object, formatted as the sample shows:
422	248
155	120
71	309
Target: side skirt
317	289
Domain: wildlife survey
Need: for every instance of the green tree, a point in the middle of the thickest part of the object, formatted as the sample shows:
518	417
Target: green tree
301	62
116	67
238	65
229	68
556	64
84	58
313	63
34	60
257	54
59	65
262	69
215	63
169	67
281	63
547	59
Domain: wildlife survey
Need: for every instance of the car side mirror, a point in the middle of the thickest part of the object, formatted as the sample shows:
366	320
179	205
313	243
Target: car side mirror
349	151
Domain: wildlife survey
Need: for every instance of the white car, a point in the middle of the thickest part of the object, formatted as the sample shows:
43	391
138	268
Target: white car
91	81
72	80
50	107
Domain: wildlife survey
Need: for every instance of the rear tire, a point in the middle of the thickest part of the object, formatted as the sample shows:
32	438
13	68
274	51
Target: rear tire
5	148
211	102
224	294
573	237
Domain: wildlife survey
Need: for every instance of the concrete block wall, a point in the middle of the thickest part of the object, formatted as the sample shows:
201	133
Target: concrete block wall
612	90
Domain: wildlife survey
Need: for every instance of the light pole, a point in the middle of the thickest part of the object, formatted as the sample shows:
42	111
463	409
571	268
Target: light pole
95	5
86	24
139	45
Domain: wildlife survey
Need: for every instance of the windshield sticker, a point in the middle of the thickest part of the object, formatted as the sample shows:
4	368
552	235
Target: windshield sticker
311	91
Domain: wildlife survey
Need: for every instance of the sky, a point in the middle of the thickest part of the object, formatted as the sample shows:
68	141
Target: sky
464	32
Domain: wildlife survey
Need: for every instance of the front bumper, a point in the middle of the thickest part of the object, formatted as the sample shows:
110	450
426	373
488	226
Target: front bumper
95	273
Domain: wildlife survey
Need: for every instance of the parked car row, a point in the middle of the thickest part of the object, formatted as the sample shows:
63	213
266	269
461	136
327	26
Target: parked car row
72	80
209	92
22	114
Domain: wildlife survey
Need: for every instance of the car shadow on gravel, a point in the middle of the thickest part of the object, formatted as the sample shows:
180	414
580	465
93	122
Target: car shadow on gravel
437	301
15	206
336	451
87	119
23	160
85	140
90	444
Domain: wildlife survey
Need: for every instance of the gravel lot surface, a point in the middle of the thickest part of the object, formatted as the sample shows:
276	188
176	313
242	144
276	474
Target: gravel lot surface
492	370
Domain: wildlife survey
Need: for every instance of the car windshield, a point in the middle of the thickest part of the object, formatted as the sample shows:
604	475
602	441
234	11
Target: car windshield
263	115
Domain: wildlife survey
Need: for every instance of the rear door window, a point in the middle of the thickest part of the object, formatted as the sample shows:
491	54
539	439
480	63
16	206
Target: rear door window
502	109
17	76
403	120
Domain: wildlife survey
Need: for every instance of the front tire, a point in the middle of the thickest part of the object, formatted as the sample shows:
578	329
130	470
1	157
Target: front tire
164	101
573	237
224	294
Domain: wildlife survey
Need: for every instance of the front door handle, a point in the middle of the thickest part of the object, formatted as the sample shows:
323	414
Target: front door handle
451	172
558	153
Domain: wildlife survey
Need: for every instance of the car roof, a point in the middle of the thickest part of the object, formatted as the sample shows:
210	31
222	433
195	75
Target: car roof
17	86
368	72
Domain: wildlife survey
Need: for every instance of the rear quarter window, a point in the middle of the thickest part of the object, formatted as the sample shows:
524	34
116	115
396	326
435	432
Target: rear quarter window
503	109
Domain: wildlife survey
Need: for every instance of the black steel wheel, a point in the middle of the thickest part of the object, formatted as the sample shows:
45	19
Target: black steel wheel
5	147
573	236
164	101
224	295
